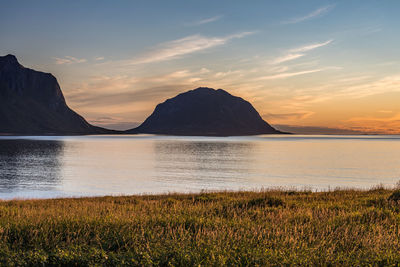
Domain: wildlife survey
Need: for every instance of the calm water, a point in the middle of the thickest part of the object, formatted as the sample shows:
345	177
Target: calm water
41	167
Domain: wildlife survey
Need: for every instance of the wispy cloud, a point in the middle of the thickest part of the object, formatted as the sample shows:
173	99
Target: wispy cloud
69	60
352	79
277	117
288	74
279	69
314	14
98	58
207	20
227	73
285	58
298	52
118	92
184	46
309	47
385	84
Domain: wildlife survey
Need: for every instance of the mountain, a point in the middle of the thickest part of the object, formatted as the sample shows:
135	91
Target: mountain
31	102
205	112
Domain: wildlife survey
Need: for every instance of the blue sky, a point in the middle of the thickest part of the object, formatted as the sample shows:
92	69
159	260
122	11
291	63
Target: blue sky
296	61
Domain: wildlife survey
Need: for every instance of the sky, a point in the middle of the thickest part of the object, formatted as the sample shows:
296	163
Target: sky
305	64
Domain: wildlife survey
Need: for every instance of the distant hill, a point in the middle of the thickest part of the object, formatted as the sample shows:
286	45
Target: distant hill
205	112
316	130
31	102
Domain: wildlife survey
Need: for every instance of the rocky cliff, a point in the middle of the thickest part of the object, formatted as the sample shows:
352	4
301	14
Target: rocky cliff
31	102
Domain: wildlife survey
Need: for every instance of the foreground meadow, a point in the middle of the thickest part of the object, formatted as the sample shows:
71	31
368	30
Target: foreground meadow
343	227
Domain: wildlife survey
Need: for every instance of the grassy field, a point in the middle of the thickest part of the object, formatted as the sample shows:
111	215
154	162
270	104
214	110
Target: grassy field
343	227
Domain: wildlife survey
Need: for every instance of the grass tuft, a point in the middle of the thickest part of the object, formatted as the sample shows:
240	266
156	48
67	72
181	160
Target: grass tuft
395	196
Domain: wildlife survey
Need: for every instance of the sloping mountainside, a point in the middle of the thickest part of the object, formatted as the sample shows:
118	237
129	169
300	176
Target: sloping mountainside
31	102
205	112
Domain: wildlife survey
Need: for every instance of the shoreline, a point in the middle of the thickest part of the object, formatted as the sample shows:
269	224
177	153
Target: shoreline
278	189
119	133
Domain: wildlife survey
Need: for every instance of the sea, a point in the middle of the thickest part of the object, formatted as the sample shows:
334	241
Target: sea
78	166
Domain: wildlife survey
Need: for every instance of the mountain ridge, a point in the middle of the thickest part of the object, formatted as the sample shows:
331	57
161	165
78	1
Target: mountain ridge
32	103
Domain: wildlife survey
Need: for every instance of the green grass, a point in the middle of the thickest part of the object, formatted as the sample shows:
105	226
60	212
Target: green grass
343	227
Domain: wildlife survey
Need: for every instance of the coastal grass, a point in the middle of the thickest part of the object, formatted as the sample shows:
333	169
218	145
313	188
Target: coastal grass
272	227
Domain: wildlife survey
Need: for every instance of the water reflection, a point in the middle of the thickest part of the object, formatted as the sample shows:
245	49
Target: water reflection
203	163
59	166
27	165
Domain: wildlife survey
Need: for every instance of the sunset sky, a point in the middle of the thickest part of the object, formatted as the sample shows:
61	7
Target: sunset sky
318	63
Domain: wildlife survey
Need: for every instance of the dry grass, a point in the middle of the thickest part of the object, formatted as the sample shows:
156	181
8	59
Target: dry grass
344	227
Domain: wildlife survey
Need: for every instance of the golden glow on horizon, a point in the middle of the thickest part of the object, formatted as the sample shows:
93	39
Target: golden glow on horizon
347	103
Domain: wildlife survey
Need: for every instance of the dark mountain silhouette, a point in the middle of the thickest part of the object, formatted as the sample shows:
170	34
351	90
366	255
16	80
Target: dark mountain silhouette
31	102
205	112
